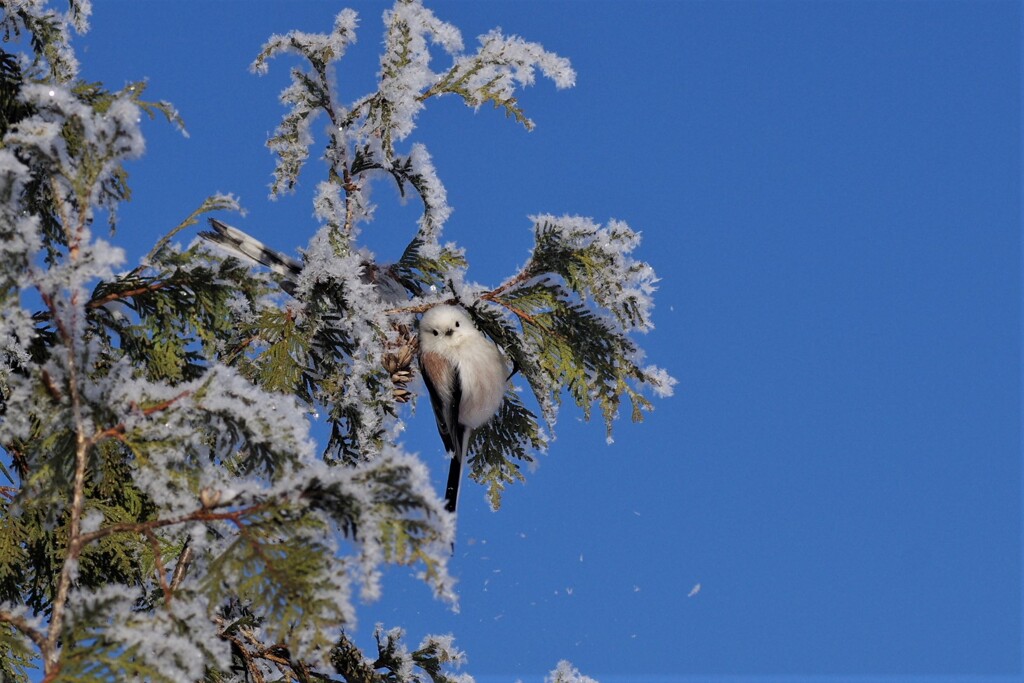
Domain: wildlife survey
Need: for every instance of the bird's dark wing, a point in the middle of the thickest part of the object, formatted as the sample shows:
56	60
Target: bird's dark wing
443	420
461	441
434	368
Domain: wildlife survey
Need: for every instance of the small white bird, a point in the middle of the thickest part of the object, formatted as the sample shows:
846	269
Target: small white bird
466	375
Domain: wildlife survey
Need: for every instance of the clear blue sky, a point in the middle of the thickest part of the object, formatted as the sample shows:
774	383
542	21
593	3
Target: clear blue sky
831	195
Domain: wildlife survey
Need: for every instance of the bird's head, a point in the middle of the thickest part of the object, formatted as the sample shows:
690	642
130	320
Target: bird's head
445	327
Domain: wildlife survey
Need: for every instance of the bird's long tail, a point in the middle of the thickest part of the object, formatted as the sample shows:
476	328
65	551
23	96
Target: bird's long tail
451	492
243	246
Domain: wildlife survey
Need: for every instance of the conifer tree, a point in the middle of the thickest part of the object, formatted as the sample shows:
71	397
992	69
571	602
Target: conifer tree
165	514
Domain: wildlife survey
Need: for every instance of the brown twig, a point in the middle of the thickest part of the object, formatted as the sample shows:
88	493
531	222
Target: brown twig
491	296
200	515
18	459
22	625
115	296
523	275
417	308
254	673
48	302
259	651
117	431
523	315
229	358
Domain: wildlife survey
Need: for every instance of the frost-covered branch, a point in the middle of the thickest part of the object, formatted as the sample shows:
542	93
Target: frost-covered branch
49	32
236	516
363	135
168	512
75	542
565	672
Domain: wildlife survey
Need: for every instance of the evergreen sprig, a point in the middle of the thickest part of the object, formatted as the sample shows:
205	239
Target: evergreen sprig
492	74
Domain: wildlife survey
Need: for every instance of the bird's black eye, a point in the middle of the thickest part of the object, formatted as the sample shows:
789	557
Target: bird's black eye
435	332
456	323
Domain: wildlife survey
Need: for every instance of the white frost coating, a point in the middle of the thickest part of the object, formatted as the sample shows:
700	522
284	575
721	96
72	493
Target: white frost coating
240	309
177	641
226	201
189	441
332	209
110	138
59	55
362	319
447	653
565	672
522	57
547	403
328	206
366	485
21	406
191	413
500	64
173	476
91	521
628	283
219	404
116	132
404	670
292	137
432	190
97	260
13	174
663	384
405	63
33	620
325	47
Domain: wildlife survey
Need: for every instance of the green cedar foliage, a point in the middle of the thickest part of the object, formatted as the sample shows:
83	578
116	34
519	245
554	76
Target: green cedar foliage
163	512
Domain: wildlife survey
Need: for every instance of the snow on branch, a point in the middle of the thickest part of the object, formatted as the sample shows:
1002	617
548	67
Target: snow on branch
157	421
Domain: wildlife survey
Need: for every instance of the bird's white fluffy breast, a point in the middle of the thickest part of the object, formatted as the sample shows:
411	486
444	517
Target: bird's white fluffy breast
483	373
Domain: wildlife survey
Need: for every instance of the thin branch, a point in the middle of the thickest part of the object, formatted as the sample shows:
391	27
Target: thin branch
200	515
418	308
48	302
116	296
82	446
22	625
523	315
491	296
230	357
118	430
65	219
191	220
18	459
254	673
270	653
525	274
